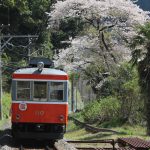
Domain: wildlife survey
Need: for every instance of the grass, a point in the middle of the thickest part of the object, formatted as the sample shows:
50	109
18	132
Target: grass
72	127
78	133
6	103
2	122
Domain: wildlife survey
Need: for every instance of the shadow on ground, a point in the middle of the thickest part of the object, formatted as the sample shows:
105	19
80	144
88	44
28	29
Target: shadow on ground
6	139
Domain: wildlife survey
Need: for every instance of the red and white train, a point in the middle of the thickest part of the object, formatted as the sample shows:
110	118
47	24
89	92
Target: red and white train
39	102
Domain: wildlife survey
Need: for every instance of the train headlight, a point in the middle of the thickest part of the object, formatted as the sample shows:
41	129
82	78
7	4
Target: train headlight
40	66
61	117
17	117
22	106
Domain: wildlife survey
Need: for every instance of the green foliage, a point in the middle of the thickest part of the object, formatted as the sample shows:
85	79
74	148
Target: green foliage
22	6
114	122
125	86
6	104
44	44
26	17
94	74
101	110
71	126
70	27
140	45
123	102
9	2
77	115
91	112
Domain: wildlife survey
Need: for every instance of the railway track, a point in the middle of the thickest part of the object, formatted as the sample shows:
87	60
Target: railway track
35	145
8	143
91	128
107	144
27	148
59	145
110	144
24	148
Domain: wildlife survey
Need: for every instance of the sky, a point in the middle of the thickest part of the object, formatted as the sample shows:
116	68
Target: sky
144	4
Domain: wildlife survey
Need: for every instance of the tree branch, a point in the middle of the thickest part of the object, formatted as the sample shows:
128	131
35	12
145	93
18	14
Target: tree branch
106	47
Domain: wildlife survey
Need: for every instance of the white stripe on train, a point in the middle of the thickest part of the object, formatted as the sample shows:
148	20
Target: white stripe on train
31	102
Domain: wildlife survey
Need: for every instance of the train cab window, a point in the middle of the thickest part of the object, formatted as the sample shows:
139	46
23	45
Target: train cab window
40	91
56	91
23	90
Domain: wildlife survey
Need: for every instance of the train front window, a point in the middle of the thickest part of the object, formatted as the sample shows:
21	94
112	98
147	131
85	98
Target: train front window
23	90
40	91
56	91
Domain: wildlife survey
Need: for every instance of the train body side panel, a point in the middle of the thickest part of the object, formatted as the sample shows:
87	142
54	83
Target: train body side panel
40	113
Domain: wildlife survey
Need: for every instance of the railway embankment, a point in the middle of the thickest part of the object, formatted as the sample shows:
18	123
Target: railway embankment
91	128
79	130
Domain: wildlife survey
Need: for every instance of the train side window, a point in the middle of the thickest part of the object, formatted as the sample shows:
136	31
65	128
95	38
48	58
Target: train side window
40	91
56	91
23	90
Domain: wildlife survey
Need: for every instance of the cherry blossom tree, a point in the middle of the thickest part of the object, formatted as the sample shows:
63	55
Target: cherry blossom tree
109	24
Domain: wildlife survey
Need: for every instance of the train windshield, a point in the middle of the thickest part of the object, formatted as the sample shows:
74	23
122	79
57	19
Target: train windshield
40	91
56	91
23	90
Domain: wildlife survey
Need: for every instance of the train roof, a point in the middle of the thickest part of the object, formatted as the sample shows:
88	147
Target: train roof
45	71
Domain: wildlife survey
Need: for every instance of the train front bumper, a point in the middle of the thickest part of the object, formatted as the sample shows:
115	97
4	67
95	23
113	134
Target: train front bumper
38	130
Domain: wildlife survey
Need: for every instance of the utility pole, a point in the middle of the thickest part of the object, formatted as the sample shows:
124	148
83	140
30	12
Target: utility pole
2	46
0	79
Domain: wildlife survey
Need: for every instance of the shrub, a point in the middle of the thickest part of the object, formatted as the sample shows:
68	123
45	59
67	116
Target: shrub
101	110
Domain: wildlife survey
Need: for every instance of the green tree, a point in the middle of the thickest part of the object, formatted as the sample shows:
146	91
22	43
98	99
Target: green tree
119	93
141	57
24	17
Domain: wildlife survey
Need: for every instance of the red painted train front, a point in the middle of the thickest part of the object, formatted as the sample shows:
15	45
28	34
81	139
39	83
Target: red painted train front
39	103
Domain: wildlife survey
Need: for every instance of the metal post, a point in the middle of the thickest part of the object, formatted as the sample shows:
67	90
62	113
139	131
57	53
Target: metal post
29	50
77	94
72	93
0	80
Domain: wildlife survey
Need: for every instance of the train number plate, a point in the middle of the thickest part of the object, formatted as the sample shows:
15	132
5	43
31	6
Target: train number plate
39	113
